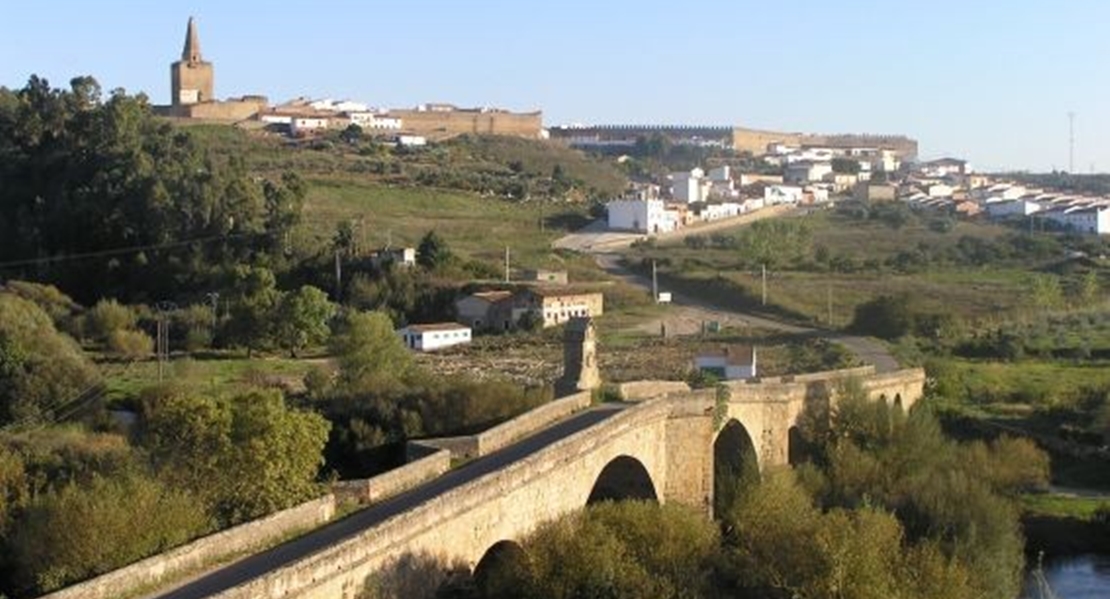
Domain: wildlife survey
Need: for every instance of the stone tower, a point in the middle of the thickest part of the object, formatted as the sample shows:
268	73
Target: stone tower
191	79
580	372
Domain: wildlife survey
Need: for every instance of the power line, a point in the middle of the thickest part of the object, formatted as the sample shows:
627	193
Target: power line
127	250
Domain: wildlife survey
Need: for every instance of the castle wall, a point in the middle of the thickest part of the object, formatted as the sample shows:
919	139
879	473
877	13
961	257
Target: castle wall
756	141
438	125
230	111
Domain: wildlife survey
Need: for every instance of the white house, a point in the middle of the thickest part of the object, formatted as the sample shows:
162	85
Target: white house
721	173
1006	208
411	141
690	187
717	211
430	337
940	190
306	124
338	105
729	364
375	121
945	167
807	171
782	194
644	216
1085	219
405	256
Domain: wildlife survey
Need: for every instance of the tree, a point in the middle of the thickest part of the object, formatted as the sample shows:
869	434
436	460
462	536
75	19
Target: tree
79	531
371	357
845	166
252	308
87	173
886	317
433	253
246	456
40	368
302	319
626	549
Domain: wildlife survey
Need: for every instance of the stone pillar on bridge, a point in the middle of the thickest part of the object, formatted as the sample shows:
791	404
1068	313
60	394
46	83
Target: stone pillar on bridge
580	371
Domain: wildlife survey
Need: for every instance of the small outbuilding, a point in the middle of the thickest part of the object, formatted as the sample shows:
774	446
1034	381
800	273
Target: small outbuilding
729	364
430	337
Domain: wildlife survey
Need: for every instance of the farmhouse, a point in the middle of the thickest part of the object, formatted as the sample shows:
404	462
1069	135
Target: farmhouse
487	310
557	305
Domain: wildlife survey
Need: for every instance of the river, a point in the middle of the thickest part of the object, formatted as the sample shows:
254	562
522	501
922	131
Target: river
1078	577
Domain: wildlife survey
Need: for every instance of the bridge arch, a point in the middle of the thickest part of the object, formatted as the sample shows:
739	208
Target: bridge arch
624	477
496	573
735	463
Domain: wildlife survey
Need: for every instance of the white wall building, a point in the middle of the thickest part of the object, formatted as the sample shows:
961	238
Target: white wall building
372	120
941	190
307	124
690	187
1006	208
1084	219
430	337
643	216
807	171
782	194
730	364
721	173
722	210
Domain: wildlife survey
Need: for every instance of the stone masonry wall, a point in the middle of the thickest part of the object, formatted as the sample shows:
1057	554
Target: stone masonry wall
202	552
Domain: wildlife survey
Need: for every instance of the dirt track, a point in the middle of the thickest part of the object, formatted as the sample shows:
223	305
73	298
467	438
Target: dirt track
686	315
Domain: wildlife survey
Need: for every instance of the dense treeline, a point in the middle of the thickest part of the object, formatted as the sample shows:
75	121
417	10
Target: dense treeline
102	198
74	503
204	458
378	396
887	506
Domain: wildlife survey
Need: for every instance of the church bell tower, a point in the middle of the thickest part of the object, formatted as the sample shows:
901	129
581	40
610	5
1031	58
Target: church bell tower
191	79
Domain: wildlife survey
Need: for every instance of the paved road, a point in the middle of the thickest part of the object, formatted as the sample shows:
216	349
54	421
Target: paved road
691	312
256	565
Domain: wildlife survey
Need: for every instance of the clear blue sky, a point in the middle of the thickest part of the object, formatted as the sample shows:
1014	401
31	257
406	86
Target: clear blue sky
989	81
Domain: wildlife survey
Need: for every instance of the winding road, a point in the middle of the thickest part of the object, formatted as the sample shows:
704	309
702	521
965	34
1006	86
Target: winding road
688	312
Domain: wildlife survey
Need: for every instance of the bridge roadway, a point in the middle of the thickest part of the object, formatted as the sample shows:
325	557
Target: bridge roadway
254	566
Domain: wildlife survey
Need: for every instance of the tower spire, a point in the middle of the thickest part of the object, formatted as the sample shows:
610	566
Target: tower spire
191	52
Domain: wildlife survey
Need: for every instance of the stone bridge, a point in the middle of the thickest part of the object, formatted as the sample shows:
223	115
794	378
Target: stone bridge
666	442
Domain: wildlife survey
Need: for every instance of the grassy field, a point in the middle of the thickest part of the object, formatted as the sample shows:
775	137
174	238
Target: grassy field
1063	506
805	291
218	374
471	162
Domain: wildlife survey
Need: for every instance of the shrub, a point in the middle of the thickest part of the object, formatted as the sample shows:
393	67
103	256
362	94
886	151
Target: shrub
106	317
130	345
80	531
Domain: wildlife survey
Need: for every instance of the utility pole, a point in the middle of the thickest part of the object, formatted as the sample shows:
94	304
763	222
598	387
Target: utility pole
654	282
763	267
829	302
214	297
338	275
506	264
162	343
